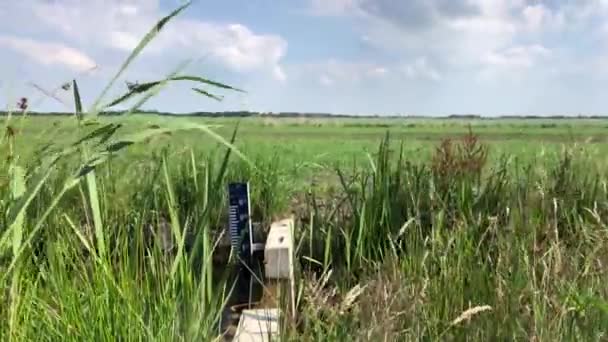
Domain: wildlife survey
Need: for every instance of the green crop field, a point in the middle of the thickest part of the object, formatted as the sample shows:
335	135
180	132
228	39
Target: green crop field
406	229
330	141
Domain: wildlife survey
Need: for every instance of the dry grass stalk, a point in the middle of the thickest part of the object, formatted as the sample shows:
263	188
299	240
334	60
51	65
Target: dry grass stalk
469	313
351	297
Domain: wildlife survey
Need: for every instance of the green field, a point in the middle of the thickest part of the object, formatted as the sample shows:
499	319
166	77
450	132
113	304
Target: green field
410	237
113	227
327	141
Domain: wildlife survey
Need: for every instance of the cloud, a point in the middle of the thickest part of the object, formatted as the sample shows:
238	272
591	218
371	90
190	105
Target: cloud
470	35
120	25
416	14
517	56
334	71
452	32
377	71
49	53
279	74
234	46
539	17
325	80
345	73
420	69
123	40
535	15
410	13
333	7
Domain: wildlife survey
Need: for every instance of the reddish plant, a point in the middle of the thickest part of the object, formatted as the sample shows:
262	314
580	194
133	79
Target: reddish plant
444	161
466	158
22	104
473	154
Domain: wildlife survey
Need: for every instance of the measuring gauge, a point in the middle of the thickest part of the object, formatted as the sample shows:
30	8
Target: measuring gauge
241	236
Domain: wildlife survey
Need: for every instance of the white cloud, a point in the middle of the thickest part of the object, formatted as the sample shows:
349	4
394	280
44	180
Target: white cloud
279	74
341	72
420	69
49	53
120	25
516	57
535	15
378	71
517	63
333	7
123	40
234	45
338	71
325	80
469	35
538	17
452	32
129	10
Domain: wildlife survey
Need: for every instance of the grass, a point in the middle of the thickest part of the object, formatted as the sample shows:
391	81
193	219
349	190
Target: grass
515	241
109	226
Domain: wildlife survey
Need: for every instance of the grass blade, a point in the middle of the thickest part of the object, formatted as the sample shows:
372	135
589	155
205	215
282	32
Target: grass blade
138	49
17	176
145	87
95	208
205	81
138	89
208	94
77	100
224	165
92	182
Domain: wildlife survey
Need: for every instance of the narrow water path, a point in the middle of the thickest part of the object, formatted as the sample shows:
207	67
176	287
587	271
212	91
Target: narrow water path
246	294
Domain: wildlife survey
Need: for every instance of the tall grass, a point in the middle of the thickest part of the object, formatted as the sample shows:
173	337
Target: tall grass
403	250
431	240
79	267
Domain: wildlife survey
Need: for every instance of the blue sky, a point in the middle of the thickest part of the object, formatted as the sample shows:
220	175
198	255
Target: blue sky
422	57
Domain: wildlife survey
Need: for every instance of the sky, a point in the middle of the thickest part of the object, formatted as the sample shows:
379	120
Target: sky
368	57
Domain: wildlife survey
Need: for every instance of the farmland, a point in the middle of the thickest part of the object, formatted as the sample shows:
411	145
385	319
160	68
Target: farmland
306	141
398	236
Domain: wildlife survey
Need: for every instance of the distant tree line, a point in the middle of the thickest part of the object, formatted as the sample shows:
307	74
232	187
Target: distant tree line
230	114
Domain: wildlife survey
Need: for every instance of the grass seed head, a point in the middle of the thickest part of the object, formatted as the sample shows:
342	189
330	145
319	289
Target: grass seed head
470	313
